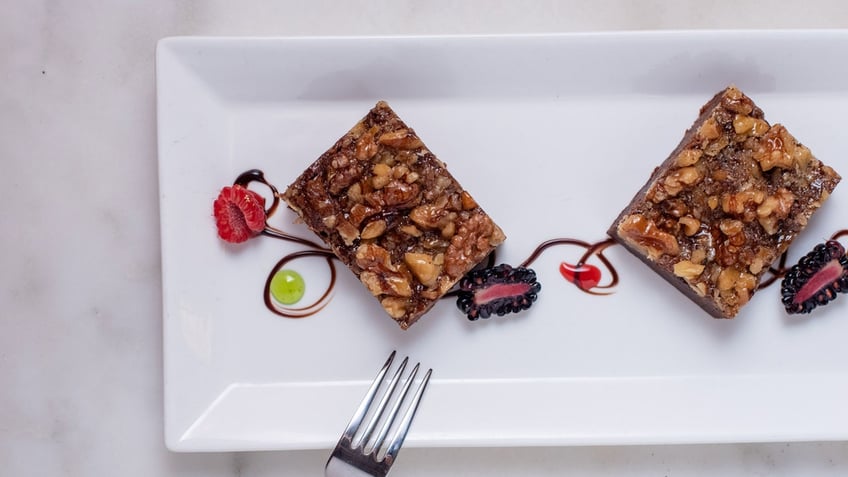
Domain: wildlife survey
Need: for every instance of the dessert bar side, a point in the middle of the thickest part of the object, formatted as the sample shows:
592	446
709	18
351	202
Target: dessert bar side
393	214
725	204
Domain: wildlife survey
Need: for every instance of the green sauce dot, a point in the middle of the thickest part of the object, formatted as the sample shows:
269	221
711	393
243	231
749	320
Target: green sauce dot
287	287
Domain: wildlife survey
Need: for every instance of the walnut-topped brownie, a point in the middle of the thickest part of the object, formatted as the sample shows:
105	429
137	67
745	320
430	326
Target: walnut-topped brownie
390	210
725	204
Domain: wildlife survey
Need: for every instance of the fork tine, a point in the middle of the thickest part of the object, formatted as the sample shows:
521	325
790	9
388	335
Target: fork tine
356	420
403	428
381	436
378	413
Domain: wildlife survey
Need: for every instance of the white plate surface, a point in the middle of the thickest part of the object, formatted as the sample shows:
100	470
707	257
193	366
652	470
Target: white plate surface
553	135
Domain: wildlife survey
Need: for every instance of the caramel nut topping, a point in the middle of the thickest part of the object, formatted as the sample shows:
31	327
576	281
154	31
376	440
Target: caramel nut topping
725	204
389	209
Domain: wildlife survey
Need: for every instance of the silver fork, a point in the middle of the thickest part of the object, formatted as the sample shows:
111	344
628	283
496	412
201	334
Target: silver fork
357	454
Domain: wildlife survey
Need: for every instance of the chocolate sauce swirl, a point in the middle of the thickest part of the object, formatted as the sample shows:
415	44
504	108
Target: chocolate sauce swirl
312	308
839	234
592	249
256	175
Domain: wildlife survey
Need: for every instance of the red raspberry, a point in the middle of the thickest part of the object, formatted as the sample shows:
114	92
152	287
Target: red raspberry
239	214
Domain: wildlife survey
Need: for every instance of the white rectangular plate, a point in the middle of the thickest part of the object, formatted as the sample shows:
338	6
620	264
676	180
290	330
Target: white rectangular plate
552	135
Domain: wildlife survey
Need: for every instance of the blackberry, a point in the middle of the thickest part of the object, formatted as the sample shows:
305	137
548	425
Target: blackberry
497	290
817	278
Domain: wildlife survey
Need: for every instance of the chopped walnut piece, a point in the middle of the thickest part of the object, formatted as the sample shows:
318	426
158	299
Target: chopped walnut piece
360	212
397	285
329	221
689	157
411	230
347	232
731	227
400	194
371	255
677	207
746	125
709	130
372	282
468	202
366	148
354	193
698	256
396	307
472	241
644	233
428	216
385	278
712	202
378	182
690	224
774	209
424	267
687	269
680	178
735	101
373	229
778	148
449	230
727	278
756	266
746	282
713	148
737	203
401	139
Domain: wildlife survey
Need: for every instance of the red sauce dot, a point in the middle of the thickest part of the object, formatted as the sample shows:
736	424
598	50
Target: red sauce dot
585	276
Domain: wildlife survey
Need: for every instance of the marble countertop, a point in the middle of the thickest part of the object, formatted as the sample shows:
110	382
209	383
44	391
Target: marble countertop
80	296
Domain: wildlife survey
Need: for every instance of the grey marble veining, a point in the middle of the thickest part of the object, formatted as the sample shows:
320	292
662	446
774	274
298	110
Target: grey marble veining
80	298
